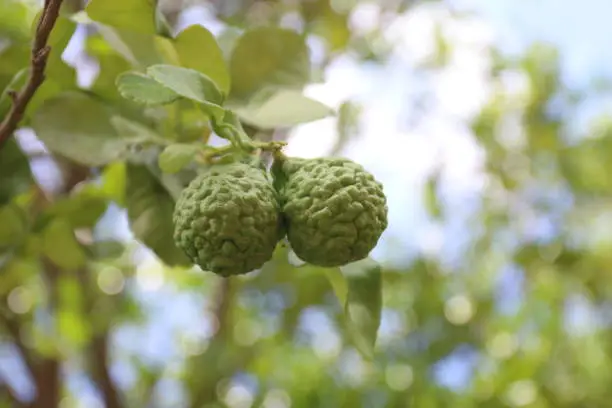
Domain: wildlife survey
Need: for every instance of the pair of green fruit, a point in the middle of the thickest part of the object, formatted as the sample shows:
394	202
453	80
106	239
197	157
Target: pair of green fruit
229	219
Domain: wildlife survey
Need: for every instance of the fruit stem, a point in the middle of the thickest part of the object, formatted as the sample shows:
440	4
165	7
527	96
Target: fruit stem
215	152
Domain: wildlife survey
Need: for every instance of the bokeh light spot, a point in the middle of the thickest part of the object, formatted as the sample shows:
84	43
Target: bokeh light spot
459	309
111	280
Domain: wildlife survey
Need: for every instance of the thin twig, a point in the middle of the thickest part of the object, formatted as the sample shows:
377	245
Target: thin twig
38	63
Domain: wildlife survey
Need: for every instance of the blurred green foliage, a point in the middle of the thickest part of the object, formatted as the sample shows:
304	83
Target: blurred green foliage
289	335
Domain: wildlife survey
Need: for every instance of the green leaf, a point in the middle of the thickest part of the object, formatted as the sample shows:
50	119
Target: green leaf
135	131
59	76
114	182
79	128
141	50
177	156
227	40
144	89
284	108
268	56
81	209
73	326
198	49
14	19
15	173
192	85
16	271
13	225
133	15
18	80
150	210
338	283
61	247
108	249
363	304
57	70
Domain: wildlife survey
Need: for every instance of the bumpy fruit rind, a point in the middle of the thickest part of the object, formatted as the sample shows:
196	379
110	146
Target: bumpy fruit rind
227	220
334	210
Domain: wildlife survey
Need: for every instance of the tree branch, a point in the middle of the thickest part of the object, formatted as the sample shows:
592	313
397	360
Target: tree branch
101	374
47	376
38	63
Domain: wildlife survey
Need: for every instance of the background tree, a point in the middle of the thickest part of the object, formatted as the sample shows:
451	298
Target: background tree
99	308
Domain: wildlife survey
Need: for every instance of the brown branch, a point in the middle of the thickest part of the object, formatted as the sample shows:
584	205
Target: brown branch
48	383
38	63
48	376
101	373
45	372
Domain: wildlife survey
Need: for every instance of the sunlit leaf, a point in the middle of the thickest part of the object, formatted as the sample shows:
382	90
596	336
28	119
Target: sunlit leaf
283	108
78	127
16	272
114	181
268	56
186	82
82	209
133	15
339	283
143	89
177	156
140	49
197	49
61	246
135	131
73	325
190	84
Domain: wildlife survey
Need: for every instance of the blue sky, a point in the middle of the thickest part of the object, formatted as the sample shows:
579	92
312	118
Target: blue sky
581	30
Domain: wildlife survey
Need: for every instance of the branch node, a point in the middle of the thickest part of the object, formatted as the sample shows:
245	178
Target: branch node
40	57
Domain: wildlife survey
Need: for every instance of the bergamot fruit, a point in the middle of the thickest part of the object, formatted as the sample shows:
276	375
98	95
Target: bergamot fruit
334	210
227	220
